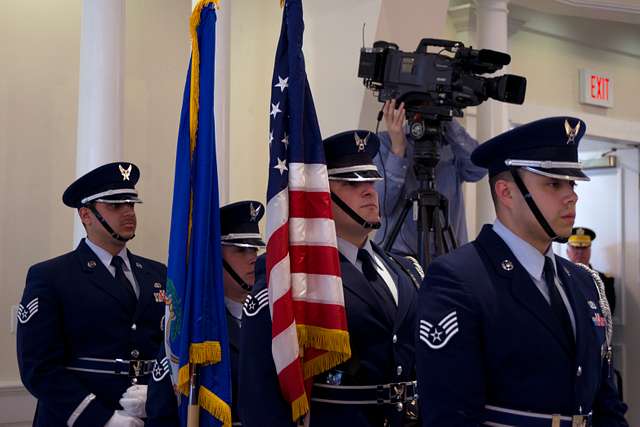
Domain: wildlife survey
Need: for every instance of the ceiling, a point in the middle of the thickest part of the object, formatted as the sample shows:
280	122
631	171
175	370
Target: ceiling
627	11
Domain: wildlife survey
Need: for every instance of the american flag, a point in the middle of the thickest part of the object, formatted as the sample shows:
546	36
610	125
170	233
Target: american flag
309	325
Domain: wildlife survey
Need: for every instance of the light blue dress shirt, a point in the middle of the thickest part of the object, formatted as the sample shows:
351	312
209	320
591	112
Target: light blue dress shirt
105	257
533	261
350	251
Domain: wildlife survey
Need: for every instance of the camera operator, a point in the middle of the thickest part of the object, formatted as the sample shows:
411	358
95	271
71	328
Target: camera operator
395	161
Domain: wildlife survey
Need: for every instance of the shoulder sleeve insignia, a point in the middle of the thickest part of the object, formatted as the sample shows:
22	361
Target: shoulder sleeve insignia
416	265
161	369
25	313
254	303
437	336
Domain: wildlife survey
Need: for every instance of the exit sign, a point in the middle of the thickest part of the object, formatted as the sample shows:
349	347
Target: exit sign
596	88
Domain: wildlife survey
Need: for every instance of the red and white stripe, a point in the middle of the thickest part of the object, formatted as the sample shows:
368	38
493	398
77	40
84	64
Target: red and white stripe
303	269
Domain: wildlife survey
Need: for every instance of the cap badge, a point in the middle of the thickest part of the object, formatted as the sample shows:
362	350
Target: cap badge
507	265
571	132
125	172
253	211
361	143
580	232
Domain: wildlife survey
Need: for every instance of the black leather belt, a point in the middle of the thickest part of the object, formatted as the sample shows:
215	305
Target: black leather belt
380	394
131	368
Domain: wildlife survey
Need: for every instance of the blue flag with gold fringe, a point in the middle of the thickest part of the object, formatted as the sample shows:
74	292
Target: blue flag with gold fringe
196	338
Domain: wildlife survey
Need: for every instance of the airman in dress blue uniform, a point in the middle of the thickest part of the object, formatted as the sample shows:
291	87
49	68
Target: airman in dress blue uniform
511	334
241	240
90	320
376	386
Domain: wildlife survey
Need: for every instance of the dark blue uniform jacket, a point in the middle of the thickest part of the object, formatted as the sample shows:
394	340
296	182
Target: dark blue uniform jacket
377	358
509	350
76	308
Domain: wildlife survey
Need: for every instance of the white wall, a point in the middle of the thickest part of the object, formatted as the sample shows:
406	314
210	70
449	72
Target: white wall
39	58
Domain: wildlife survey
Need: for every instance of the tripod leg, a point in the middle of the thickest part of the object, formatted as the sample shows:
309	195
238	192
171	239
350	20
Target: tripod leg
388	244
425	219
438	230
452	238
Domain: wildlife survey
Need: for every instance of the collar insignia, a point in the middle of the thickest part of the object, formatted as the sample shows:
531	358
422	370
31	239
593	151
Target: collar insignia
125	172
571	132
507	265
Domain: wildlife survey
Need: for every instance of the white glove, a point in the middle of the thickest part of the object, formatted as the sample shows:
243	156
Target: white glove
134	400
120	419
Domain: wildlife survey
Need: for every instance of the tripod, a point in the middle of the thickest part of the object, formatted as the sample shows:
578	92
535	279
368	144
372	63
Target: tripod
430	208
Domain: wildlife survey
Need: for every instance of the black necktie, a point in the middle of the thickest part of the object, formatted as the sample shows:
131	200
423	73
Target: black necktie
557	304
118	263
371	273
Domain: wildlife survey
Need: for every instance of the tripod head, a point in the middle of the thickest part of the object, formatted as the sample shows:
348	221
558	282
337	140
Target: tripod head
427	134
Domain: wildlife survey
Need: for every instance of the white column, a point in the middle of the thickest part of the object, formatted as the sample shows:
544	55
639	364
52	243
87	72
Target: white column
493	118
221	91
101	94
221	103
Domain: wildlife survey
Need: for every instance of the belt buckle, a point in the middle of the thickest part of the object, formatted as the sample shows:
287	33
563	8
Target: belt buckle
135	368
397	392
398	395
578	421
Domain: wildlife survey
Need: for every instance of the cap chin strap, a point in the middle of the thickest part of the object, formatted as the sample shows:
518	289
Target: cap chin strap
106	225
534	208
357	218
236	277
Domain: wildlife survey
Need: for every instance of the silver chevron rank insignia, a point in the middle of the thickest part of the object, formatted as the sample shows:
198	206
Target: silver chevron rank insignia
25	313
254	303
161	369
437	336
